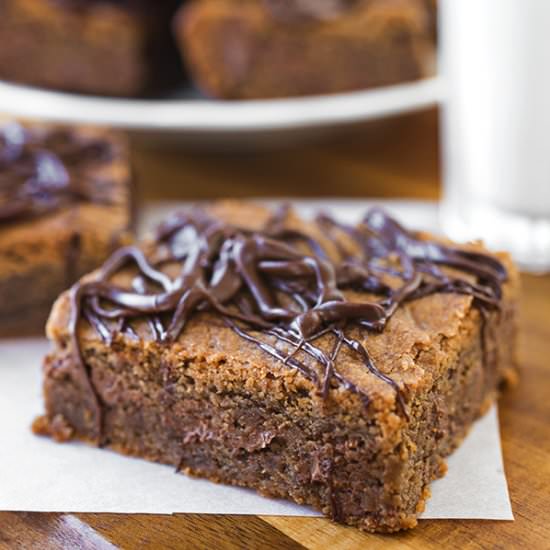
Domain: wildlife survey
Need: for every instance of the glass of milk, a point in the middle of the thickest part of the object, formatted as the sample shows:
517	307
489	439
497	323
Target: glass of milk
495	63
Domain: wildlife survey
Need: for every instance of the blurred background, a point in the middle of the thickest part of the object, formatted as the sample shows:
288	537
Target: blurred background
396	158
275	98
308	98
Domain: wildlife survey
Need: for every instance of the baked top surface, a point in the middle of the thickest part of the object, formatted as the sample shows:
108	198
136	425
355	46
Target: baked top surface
278	48
384	17
341	322
360	22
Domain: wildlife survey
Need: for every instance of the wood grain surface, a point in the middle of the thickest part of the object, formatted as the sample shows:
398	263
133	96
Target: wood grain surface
398	159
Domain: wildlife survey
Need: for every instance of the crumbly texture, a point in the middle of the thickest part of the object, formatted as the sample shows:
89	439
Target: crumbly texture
218	407
241	49
98	47
42	255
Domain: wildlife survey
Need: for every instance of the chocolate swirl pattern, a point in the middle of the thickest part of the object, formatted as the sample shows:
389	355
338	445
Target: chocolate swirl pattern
279	289
41	171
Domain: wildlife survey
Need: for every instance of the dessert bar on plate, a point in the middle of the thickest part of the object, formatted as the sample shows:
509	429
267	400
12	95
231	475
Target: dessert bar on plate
107	47
64	207
232	48
335	365
280	48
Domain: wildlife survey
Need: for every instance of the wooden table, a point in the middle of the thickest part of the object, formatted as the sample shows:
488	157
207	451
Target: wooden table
394	159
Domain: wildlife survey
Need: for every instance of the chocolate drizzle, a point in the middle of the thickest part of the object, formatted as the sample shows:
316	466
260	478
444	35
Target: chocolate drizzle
279	288
41	171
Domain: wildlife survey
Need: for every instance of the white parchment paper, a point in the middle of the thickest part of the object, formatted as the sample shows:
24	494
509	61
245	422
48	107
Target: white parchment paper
37	474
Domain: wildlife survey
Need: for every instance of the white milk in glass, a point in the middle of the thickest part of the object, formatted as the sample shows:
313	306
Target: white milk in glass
495	62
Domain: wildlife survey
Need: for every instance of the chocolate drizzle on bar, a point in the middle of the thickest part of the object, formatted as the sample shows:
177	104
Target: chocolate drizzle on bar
41	170
280	290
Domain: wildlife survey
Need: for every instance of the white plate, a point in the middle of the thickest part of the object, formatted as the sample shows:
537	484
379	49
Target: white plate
196	117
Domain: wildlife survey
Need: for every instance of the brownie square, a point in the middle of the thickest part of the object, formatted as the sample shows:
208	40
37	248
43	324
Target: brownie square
108	47
64	207
334	365
280	48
